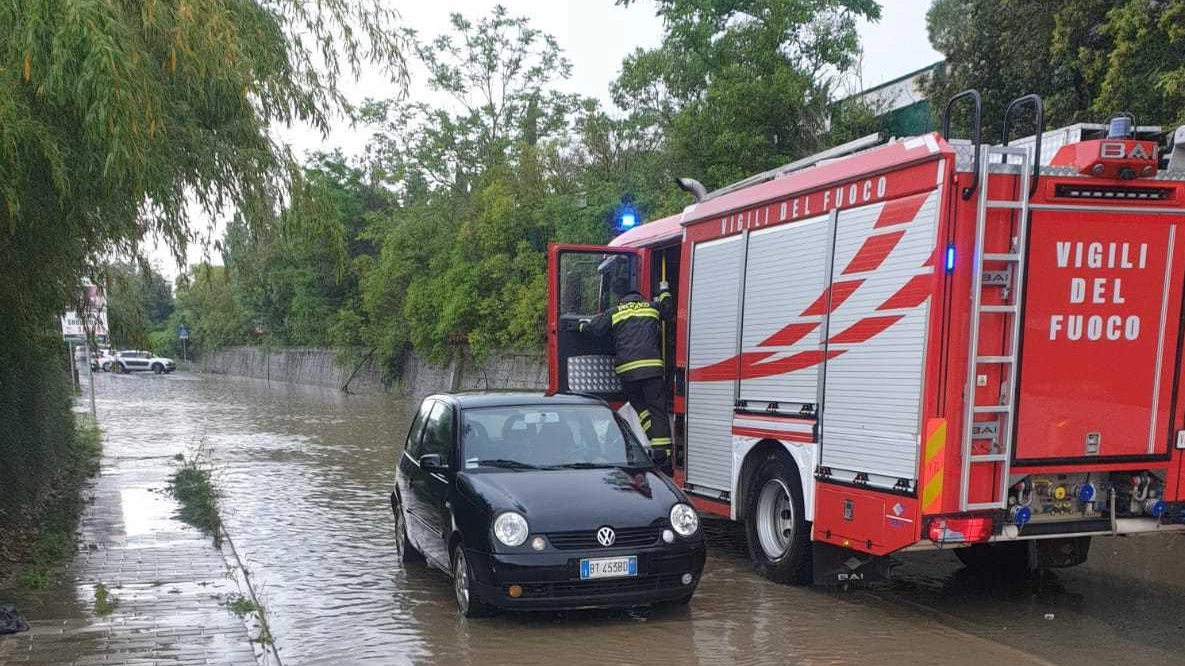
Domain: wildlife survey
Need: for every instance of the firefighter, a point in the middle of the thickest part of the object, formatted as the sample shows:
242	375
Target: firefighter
635	324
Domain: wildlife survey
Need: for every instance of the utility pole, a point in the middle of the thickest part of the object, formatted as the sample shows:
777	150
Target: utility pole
72	365
91	375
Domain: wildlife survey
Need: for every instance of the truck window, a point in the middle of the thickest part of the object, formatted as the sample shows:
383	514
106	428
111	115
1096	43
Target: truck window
586	281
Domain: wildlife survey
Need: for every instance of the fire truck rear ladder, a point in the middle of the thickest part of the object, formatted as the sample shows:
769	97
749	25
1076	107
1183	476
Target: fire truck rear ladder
1005	408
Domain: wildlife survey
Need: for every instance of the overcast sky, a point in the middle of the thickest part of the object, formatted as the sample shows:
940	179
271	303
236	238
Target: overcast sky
596	35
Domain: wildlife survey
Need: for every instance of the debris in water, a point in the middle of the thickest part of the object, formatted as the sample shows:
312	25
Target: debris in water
11	621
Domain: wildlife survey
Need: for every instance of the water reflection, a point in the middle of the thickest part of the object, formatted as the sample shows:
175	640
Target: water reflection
305	475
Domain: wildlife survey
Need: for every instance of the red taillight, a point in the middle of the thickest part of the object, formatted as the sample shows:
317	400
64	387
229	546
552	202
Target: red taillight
961	530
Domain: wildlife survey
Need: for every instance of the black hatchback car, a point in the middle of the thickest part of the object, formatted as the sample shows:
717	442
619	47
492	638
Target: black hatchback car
534	502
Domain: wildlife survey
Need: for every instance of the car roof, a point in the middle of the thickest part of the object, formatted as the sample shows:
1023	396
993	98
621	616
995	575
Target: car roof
474	399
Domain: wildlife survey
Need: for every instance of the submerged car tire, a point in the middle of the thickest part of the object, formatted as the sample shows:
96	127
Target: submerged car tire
468	604
775	526
407	552
157	368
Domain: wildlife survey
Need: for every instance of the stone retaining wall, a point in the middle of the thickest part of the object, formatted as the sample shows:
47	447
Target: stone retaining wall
319	367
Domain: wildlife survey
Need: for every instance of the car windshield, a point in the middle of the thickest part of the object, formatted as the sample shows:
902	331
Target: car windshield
547	437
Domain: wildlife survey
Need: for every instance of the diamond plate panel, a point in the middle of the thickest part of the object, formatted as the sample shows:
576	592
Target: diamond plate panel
592	374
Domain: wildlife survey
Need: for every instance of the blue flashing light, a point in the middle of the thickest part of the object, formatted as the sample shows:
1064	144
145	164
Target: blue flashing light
950	258
629	220
1021	515
1086	492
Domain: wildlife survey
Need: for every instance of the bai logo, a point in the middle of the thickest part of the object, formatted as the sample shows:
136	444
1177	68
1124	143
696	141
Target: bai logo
1121	150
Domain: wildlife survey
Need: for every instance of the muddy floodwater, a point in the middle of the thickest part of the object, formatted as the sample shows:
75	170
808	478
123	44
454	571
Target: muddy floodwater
305	475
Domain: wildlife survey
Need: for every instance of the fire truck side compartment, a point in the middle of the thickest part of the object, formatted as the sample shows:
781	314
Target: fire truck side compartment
713	312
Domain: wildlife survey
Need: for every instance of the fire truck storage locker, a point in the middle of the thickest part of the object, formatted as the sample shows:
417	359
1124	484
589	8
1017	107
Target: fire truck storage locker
713	312
877	336
785	277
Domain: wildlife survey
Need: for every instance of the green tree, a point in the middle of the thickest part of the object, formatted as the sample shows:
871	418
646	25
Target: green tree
740	87
119	117
206	303
462	246
139	301
1086	58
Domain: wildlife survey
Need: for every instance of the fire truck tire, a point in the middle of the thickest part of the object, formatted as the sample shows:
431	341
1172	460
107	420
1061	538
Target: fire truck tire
775	525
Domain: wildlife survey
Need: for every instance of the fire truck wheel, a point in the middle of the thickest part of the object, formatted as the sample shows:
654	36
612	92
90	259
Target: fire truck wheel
775	528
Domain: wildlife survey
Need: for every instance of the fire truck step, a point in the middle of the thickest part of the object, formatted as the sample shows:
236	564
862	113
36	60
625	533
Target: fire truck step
1014	205
993	409
995	359
1000	256
1003	309
989	457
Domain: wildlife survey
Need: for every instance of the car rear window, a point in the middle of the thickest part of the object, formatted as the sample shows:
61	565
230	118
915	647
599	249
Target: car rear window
548	436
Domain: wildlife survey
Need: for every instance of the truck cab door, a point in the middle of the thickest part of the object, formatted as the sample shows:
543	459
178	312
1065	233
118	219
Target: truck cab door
580	279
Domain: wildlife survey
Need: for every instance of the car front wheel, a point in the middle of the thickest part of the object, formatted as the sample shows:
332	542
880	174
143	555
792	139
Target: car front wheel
157	368
468	603
775	526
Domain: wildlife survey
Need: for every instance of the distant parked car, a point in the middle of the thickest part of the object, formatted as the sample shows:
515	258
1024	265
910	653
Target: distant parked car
101	360
534	502
140	361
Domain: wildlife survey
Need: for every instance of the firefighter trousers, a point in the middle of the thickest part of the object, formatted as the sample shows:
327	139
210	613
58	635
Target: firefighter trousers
648	397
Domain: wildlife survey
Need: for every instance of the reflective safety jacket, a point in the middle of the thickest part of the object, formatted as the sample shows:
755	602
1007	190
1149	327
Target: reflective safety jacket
637	336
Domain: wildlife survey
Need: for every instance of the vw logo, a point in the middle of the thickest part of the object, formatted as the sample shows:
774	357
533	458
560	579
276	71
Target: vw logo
606	536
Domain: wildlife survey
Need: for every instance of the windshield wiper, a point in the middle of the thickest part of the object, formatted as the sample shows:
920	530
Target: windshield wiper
505	464
586	465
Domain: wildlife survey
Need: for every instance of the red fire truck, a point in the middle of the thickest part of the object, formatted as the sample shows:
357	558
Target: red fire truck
926	343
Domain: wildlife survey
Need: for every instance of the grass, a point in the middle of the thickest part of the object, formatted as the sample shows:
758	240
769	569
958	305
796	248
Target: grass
240	605
243	606
199	500
105	602
54	546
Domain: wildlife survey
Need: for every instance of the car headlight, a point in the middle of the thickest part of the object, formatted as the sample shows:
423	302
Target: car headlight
684	520
511	529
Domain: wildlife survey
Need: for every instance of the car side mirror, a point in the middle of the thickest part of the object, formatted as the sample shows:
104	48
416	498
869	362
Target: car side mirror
432	464
659	456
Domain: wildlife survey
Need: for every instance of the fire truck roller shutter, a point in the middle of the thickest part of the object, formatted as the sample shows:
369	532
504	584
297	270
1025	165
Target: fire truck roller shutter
877	340
785	284
713	310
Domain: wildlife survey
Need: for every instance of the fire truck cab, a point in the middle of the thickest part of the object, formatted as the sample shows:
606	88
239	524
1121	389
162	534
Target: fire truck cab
925	343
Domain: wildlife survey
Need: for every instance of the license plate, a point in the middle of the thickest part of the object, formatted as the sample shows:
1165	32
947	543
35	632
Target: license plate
609	567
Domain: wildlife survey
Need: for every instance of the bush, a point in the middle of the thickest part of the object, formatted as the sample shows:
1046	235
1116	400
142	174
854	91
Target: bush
60	506
38	425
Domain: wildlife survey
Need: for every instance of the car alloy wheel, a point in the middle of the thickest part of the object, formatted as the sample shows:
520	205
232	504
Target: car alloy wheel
461	581
467	603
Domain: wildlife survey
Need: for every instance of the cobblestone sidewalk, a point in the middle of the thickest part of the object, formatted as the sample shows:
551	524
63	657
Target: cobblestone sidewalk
169	584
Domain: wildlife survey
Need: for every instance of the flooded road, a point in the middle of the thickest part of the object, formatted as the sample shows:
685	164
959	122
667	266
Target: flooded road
305	475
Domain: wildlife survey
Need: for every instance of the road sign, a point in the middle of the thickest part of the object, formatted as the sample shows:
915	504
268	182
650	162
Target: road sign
183	333
91	319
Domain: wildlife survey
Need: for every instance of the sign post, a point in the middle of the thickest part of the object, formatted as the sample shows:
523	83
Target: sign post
90	373
87	323
183	334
